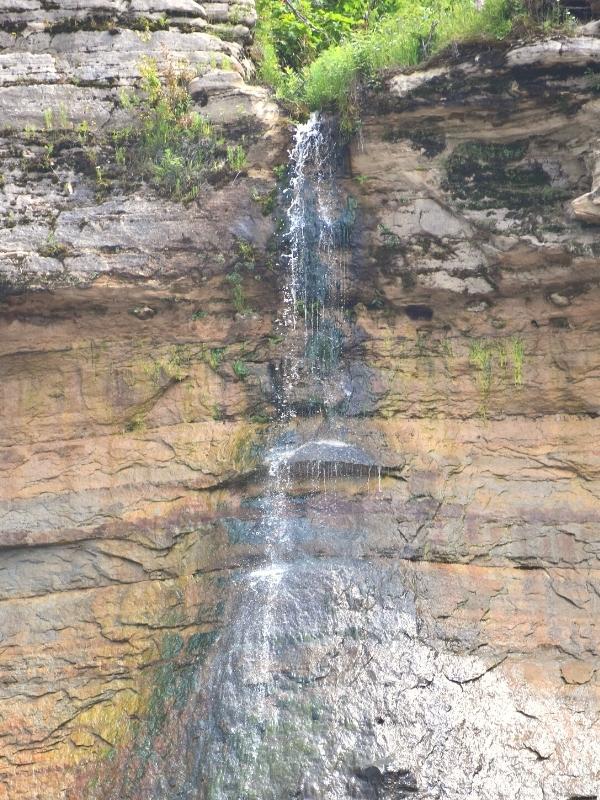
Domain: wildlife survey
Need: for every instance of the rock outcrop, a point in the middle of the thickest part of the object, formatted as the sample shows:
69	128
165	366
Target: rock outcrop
139	342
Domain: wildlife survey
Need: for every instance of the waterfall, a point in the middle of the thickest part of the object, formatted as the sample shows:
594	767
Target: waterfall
243	684
269	697
244	737
319	218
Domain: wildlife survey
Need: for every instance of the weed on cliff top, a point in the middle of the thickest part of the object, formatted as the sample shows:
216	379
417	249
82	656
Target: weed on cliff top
315	53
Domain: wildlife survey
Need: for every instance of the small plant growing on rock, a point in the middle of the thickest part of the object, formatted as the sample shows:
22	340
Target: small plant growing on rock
236	157
53	249
170	145
84	131
518	356
485	355
63	118
171	367
389	239
246	253
481	357
240	370
246	263
215	357
137	424
217	413
267	201
238	295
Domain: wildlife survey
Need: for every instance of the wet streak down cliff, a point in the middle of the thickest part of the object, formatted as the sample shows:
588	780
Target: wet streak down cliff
260	727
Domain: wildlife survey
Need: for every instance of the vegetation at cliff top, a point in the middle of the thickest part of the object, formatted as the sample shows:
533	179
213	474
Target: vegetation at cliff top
315	53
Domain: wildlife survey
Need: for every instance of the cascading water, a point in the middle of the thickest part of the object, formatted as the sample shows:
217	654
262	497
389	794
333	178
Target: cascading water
319	219
259	738
278	705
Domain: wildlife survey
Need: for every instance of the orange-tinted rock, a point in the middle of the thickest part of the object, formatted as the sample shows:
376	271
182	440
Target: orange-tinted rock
577	672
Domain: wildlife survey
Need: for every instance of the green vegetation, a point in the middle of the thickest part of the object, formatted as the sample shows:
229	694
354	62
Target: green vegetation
266	201
48	119
518	355
488	356
240	370
137	424
214	358
238	295
316	53
147	25
53	248
217	412
292	34
244	448
246	263
169	145
236	157
172	366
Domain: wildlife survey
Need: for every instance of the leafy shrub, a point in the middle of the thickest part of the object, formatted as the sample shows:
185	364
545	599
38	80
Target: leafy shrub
300	29
405	38
240	370
236	157
319	63
238	295
169	144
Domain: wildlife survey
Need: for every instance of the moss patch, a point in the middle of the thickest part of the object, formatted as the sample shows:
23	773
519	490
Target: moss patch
491	175
243	450
427	139
494	359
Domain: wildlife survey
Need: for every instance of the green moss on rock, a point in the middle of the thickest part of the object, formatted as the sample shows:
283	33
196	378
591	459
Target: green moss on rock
496	175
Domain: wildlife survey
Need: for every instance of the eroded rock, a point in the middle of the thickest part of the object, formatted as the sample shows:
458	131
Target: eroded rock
436	627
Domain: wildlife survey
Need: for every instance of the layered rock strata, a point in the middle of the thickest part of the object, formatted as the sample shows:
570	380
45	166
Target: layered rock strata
138	365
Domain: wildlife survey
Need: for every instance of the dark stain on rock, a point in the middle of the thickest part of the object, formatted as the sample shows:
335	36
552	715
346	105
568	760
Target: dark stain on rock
419	312
387	784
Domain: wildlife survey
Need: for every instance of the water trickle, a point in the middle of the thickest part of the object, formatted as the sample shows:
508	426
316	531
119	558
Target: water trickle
315	262
261	732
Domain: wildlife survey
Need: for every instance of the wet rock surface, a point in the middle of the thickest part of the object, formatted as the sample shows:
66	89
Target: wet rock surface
433	631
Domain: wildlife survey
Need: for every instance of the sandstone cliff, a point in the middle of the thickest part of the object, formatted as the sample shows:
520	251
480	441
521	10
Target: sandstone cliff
138	340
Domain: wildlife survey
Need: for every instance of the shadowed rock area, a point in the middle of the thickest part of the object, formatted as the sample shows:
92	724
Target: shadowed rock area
432	630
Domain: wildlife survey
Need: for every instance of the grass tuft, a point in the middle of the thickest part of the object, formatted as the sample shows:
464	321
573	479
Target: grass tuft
169	145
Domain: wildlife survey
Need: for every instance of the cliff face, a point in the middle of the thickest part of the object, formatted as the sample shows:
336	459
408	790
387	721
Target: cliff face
124	427
138	346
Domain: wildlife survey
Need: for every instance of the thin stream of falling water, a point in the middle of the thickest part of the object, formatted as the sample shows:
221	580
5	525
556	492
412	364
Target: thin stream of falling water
312	219
295	585
315	264
247	669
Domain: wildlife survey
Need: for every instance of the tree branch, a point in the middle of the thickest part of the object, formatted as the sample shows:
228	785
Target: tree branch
303	19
